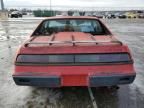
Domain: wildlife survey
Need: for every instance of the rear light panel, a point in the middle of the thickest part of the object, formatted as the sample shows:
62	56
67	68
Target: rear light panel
102	58
45	58
74	58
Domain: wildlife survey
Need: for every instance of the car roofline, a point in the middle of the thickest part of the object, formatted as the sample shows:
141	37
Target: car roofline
71	17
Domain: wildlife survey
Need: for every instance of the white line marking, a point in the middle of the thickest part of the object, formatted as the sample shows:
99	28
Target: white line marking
92	98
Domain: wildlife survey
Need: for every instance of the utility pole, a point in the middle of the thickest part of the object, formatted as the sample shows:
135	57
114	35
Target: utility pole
3	12
50	4
2	5
50	9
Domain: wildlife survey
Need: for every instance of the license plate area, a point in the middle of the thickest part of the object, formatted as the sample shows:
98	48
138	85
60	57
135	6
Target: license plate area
74	80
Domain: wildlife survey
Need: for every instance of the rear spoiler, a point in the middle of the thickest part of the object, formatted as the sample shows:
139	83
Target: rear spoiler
66	42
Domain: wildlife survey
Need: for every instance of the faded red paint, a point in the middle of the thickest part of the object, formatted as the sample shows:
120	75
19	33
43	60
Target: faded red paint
74	75
74	70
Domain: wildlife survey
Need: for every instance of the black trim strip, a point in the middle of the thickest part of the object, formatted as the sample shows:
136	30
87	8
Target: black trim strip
71	64
74	63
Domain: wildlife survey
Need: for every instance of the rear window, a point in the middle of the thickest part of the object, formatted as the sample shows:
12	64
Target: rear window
94	27
74	59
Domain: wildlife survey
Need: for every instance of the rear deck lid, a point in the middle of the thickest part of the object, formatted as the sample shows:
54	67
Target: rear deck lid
72	39
72	42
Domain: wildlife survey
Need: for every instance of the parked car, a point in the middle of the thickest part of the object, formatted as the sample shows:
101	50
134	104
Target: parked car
117	14
88	14
141	15
131	15
98	15
111	16
73	51
24	13
16	14
76	14
64	14
122	16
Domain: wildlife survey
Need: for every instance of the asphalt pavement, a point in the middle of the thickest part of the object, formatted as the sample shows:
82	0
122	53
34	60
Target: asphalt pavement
14	32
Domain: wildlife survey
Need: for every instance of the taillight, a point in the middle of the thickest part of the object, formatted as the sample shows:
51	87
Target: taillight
44	58
102	58
75	58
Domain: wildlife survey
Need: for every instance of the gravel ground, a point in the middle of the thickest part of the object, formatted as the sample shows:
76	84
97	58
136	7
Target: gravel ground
14	32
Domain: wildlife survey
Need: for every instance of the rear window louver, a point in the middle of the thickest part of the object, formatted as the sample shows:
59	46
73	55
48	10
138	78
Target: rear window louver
30	42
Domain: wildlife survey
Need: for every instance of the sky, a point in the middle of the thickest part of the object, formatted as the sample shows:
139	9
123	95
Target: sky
76	3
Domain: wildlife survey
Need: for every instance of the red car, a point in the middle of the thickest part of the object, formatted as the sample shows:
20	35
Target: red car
73	51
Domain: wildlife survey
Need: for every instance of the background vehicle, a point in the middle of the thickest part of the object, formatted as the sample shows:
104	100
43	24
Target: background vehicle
98	15
88	14
16	14
122	16
64	14
141	15
24	13
110	16
76	14
131	15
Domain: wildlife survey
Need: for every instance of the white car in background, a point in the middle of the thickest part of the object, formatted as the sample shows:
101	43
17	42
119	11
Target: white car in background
76	14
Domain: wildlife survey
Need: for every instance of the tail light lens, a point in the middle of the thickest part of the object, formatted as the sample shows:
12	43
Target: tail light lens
102	58
75	58
45	58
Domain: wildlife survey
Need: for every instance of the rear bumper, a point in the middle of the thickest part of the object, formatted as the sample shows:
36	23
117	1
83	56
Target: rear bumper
95	81
50	81
57	81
